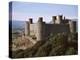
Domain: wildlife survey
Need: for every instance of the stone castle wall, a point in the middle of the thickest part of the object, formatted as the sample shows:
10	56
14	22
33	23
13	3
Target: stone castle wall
41	29
56	28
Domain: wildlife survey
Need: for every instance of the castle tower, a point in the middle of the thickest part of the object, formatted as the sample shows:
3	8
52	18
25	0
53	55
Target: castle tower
53	19
64	18
27	28
72	26
40	29
30	20
59	19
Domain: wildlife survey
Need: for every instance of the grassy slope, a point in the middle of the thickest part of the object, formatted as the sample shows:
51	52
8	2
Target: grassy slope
60	44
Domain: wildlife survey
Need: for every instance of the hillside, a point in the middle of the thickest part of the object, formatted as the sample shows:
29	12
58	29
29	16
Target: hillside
60	44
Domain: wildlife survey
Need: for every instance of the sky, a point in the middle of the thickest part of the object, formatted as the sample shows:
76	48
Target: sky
24	10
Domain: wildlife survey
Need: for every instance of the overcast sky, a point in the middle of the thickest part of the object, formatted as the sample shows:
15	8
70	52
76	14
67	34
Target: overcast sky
24	10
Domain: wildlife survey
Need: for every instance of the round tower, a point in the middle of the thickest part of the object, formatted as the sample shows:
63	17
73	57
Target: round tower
40	29
30	20
72	26
27	28
59	19
53	19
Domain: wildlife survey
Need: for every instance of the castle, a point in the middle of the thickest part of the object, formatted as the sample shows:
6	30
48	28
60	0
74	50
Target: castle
41	30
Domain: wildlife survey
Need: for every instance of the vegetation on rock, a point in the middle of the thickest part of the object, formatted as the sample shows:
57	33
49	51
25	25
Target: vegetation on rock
60	44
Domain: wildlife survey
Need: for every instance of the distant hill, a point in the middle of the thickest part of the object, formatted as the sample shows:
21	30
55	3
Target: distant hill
17	24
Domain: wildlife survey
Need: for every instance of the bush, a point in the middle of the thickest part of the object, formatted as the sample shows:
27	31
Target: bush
70	51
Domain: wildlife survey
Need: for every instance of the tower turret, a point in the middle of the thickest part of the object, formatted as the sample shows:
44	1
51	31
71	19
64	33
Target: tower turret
27	28
40	29
72	26
59	19
30	20
40	19
53	19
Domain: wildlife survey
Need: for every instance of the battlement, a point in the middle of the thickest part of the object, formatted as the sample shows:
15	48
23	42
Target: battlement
41	30
55	19
40	19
